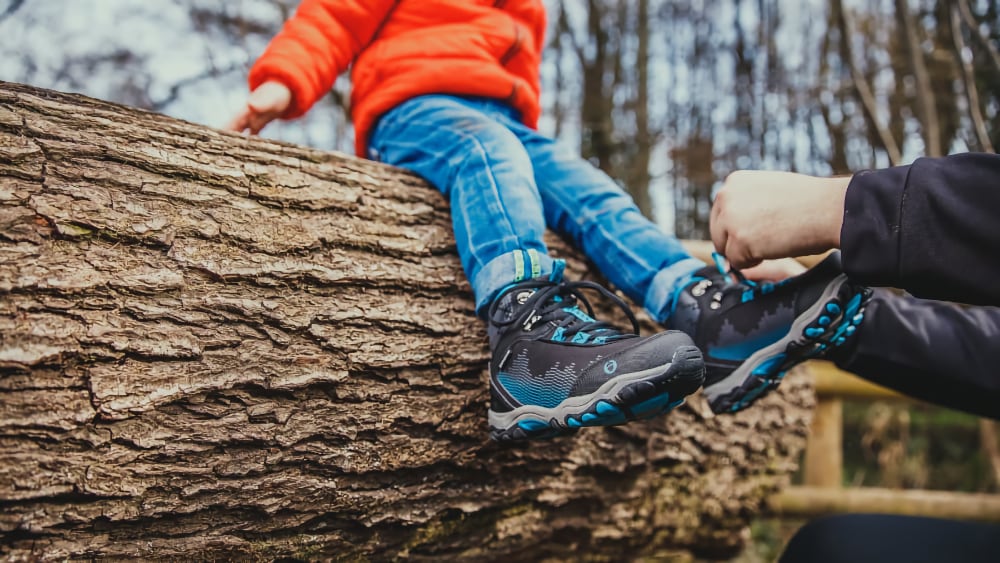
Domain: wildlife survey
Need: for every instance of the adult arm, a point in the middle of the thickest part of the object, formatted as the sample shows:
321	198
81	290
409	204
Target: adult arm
763	214
931	228
939	352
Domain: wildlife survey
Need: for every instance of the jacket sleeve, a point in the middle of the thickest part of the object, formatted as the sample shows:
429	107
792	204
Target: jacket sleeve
931	228
938	352
315	45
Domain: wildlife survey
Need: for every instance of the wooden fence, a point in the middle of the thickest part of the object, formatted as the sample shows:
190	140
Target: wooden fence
822	491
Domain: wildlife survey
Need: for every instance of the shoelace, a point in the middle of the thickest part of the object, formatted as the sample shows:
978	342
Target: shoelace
751	286
552	300
720	264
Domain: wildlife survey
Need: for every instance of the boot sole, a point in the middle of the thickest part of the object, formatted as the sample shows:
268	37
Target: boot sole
628	397
762	372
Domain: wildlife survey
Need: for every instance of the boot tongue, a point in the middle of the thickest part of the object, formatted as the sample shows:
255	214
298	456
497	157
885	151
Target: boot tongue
511	303
515	297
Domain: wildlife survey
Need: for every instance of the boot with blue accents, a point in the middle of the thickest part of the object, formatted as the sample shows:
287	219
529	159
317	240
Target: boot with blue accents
752	334
556	369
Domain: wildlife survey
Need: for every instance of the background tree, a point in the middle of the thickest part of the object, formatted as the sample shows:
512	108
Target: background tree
667	96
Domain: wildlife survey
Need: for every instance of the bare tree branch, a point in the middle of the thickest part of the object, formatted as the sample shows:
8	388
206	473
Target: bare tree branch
861	86
838	142
566	29
969	81
235	25
926	100
14	6
558	112
638	169
175	91
973	25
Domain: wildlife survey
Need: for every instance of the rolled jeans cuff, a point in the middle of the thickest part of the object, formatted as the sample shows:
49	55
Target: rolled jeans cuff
511	267
659	302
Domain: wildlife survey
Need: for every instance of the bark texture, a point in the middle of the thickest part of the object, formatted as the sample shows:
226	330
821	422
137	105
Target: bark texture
214	346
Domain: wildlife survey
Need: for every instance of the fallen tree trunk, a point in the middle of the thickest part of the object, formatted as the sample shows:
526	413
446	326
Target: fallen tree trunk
216	346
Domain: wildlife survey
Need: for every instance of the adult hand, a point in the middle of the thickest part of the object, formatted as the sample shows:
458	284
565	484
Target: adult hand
268	102
760	214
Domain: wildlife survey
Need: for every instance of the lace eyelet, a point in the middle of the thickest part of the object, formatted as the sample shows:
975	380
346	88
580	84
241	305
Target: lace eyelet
701	288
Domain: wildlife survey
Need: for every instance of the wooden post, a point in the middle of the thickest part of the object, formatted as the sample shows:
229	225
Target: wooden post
824	450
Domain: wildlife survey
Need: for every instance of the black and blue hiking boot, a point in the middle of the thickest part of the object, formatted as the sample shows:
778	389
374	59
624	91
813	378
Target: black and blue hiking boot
752	334
556	369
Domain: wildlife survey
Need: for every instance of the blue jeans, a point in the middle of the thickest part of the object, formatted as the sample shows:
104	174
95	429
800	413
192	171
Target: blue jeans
506	182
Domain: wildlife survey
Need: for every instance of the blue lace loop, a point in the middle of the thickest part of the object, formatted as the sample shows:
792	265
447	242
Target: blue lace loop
750	288
720	263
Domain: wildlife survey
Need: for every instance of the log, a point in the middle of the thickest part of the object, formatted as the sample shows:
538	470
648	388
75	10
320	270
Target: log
216	346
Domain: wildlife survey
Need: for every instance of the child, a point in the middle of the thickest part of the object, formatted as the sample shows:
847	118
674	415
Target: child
449	89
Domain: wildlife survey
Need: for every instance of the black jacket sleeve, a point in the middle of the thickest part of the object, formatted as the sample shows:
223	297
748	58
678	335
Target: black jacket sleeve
931	228
939	352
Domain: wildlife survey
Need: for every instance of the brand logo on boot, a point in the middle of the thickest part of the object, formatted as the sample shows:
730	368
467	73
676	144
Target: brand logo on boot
610	367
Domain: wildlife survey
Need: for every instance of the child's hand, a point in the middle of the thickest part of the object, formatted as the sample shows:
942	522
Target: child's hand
268	102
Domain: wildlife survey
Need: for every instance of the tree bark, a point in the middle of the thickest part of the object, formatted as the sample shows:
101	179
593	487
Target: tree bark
216	346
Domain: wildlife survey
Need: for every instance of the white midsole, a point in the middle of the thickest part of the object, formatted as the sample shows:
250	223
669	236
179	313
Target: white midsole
572	405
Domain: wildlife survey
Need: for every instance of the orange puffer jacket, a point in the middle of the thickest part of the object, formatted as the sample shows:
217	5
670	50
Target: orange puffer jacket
406	48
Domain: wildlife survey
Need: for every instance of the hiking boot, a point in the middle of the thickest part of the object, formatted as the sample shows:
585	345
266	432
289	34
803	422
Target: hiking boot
752	334
556	369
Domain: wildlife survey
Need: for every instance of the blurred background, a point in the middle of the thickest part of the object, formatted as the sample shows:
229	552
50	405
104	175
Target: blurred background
668	96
